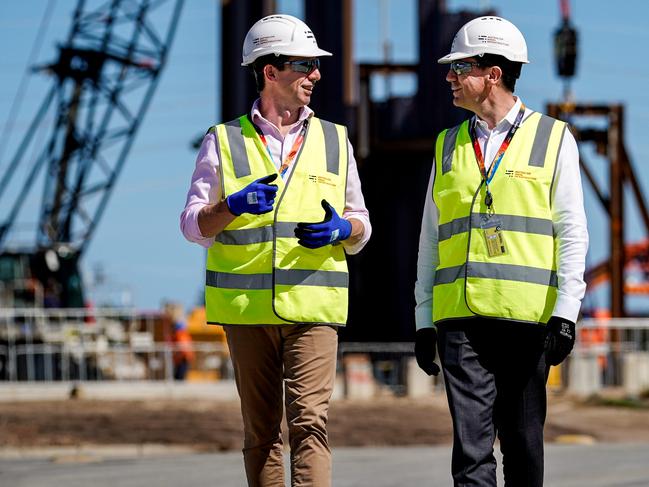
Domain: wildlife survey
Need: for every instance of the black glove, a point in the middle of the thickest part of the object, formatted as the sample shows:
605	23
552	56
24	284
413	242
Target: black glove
425	342
559	340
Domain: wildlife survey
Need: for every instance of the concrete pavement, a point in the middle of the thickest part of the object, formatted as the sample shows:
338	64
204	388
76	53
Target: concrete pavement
599	465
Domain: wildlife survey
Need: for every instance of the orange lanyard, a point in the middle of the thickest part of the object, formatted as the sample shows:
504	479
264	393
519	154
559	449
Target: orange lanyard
294	150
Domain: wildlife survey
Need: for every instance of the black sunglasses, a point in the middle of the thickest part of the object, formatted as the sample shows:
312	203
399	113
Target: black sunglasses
462	67
304	65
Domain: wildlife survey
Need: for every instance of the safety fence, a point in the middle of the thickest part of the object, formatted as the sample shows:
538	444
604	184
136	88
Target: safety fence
607	353
38	344
368	369
101	344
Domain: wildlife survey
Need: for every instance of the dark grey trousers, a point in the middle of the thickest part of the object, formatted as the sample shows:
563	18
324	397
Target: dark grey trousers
495	376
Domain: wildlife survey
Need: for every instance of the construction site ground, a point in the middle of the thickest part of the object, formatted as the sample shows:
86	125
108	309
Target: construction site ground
215	426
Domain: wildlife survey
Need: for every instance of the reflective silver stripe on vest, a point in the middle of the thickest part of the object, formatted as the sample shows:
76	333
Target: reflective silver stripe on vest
332	149
286	277
449	148
501	272
449	274
511	272
226	280
285	229
245	236
538	226
541	141
237	145
294	277
454	227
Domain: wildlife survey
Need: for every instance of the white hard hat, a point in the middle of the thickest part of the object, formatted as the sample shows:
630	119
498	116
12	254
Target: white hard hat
281	35
488	35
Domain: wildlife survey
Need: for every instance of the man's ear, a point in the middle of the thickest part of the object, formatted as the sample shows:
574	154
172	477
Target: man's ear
495	74
270	72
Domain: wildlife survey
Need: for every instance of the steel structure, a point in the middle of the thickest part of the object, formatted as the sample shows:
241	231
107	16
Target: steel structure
609	142
103	81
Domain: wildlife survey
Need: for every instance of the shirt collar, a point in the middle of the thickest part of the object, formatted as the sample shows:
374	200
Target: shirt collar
257	117
505	123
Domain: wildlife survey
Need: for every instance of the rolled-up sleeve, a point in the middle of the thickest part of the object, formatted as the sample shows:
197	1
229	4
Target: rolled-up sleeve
355	204
205	189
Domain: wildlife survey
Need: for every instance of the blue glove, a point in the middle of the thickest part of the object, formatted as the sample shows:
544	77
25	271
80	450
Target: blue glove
256	198
330	230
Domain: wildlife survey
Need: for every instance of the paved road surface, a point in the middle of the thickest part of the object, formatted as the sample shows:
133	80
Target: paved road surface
619	465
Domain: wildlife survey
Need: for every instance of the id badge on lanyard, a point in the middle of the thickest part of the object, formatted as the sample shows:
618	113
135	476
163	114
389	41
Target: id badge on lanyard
493	233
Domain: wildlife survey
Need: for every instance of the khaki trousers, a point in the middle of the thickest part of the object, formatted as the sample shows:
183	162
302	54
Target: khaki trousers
294	364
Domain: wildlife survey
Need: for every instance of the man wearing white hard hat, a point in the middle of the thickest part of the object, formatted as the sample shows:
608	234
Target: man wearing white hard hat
276	199
501	259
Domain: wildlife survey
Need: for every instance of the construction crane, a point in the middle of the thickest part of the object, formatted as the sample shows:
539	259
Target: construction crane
102	83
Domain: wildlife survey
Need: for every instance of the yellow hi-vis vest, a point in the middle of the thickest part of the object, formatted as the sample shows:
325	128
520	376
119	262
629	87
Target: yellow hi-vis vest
256	272
520	285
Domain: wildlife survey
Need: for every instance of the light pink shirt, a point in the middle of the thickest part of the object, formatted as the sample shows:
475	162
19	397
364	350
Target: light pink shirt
205	186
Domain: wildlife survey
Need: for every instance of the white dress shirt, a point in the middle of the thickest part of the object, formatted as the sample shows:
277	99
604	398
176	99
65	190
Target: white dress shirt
206	188
568	217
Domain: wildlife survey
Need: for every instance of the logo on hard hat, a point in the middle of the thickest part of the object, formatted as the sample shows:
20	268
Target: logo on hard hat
260	41
485	39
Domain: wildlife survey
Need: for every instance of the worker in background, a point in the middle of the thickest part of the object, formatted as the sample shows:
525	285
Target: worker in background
276	199
501	259
183	351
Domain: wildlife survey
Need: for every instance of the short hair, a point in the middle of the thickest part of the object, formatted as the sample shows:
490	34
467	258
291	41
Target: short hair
260	63
511	69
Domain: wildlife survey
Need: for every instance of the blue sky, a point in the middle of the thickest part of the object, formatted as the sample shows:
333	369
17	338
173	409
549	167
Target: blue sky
138	244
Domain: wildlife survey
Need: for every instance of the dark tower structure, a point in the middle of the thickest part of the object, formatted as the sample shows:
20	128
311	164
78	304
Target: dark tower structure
238	85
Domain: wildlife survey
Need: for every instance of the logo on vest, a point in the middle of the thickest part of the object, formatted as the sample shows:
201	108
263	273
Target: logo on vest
321	180
527	175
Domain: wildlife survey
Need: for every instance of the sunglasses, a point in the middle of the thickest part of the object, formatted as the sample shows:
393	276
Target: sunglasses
304	65
462	67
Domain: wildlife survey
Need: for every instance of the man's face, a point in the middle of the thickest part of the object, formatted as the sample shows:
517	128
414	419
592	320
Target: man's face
296	81
469	88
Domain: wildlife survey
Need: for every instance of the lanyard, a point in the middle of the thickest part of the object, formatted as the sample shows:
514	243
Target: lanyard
294	150
487	177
